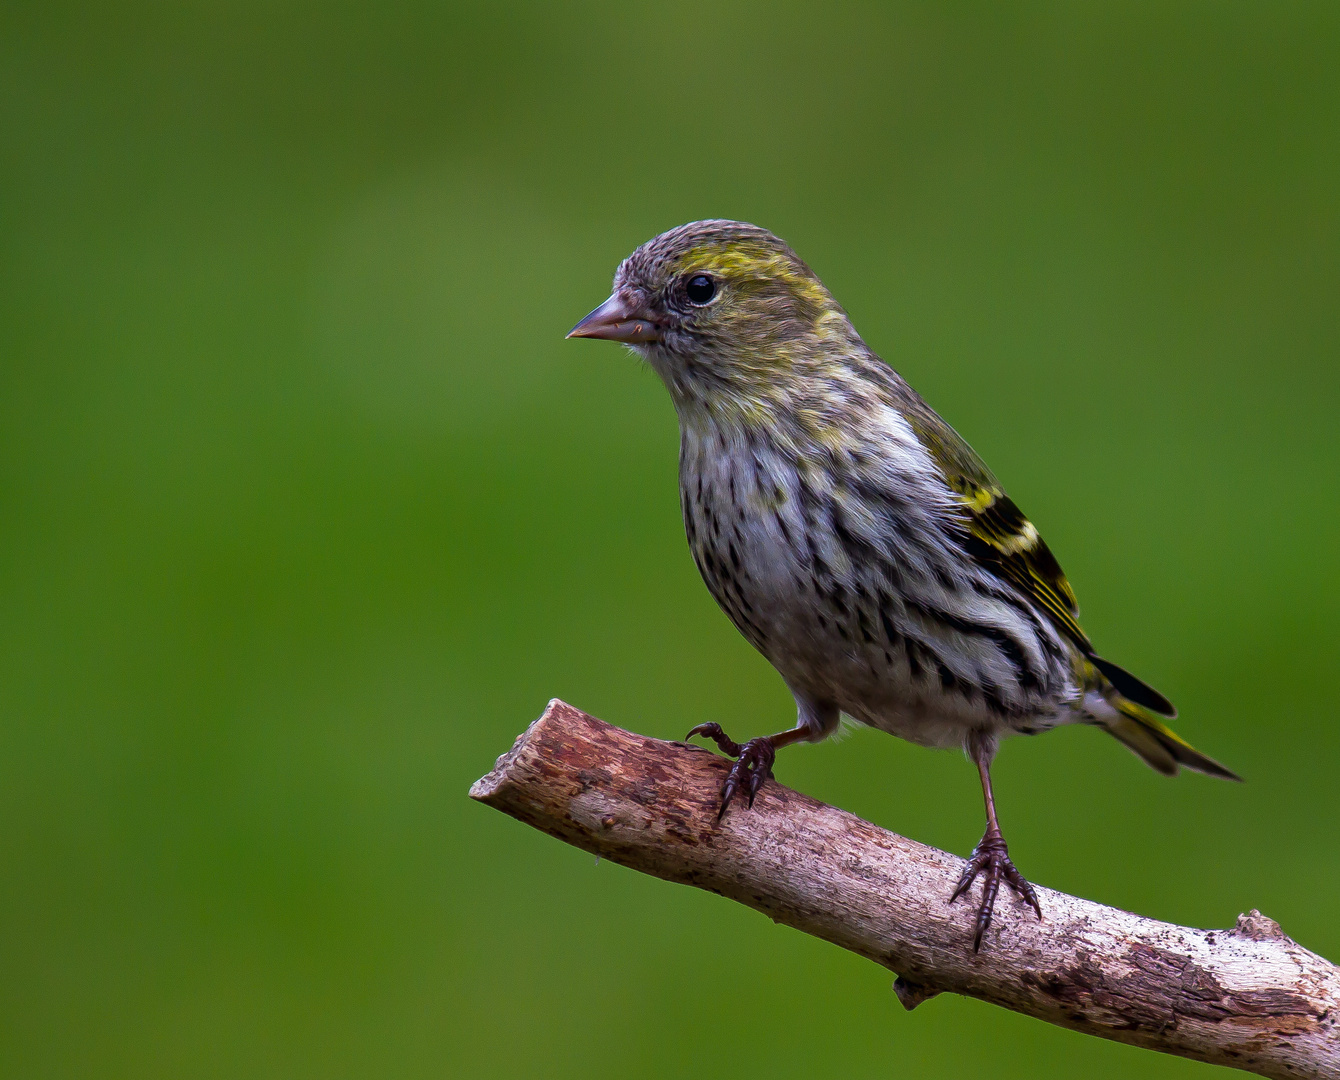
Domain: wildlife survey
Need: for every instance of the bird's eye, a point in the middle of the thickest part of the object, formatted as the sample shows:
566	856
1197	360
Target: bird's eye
700	289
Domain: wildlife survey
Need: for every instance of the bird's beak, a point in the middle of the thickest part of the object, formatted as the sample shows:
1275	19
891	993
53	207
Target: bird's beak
617	320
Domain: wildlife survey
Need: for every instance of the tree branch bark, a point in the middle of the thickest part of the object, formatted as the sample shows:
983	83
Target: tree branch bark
1249	997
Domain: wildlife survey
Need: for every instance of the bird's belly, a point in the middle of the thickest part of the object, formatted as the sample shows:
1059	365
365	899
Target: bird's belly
876	611
877	686
839	631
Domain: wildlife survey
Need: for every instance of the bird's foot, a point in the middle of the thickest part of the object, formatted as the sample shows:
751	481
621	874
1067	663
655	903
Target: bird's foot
753	763
991	858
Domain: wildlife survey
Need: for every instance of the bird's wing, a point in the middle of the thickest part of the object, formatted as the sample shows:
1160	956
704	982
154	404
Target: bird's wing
1000	537
1006	543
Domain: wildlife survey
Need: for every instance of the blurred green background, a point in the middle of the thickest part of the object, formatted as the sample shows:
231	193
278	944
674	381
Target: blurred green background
306	507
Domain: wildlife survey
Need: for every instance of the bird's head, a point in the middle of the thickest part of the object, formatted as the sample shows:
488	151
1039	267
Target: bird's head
721	309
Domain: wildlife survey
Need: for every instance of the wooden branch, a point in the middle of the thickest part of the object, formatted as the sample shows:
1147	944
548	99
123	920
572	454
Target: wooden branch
1249	997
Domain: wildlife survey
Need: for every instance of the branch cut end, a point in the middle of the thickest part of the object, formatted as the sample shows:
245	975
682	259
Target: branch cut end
487	788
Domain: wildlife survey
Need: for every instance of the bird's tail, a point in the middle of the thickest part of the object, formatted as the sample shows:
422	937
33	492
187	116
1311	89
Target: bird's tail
1160	746
1137	723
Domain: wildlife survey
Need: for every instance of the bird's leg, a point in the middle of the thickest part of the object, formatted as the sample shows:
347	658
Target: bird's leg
753	760
990	857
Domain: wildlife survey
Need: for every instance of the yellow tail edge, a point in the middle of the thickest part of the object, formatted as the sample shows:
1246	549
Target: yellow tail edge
1161	747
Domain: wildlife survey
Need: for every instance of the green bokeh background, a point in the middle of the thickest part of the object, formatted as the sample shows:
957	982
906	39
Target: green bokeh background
306	507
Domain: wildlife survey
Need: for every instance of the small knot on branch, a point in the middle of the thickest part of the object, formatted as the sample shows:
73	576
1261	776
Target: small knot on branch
1259	927
912	994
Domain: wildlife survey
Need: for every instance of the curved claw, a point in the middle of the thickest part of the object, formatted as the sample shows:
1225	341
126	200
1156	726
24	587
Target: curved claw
753	763
752	767
993	857
724	742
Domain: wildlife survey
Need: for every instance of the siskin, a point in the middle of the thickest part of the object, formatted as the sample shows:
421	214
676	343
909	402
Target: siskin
853	537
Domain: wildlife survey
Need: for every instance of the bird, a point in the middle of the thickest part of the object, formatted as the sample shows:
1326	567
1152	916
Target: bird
854	538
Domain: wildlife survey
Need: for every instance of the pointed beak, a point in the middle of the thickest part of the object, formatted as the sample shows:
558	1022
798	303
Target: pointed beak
616	320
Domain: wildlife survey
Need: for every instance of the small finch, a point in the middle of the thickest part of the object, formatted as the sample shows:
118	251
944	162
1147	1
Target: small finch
853	537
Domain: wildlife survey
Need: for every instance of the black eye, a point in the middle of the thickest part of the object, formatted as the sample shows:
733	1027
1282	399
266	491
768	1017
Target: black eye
700	289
